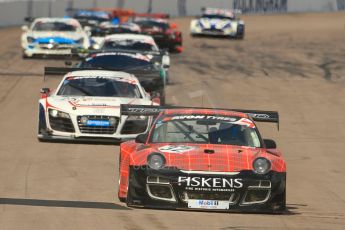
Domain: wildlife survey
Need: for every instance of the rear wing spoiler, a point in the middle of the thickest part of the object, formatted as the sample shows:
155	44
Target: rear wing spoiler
83	52
149	110
58	71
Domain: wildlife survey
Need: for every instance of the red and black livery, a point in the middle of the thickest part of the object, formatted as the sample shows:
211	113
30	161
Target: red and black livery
165	33
188	160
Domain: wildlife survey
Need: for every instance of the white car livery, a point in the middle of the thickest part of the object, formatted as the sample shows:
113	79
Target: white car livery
218	22
107	28
137	42
86	107
53	36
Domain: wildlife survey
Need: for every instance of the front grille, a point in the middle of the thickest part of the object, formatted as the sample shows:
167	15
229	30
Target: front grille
57	47
111	129
215	31
61	124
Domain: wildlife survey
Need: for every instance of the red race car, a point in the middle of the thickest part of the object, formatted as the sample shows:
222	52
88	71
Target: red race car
205	159
166	34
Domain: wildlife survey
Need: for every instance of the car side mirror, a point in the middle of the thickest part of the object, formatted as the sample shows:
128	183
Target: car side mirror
270	144
25	28
45	90
141	138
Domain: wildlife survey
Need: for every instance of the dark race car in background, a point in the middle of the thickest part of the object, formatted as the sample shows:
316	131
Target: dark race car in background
165	33
98	33
204	159
89	18
151	74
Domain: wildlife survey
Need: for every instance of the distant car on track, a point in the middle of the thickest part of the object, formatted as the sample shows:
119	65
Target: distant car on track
204	159
86	107
98	33
53	36
90	17
165	33
218	23
138	43
148	68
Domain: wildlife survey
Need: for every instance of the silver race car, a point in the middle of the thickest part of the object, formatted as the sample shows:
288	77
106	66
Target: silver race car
218	22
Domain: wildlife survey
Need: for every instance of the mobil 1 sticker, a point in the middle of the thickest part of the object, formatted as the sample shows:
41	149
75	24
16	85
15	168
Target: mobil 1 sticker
208	204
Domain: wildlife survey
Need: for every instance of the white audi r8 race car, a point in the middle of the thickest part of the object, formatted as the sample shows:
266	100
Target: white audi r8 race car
86	107
53	36
218	22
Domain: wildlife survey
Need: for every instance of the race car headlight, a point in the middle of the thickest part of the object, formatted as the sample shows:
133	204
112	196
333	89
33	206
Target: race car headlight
261	165
156	161
57	113
136	118
30	39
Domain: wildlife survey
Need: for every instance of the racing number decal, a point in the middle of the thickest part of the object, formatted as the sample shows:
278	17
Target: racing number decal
176	148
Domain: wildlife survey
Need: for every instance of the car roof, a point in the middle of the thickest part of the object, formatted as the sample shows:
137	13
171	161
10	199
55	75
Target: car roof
218	11
102	73
129	36
215	112
56	20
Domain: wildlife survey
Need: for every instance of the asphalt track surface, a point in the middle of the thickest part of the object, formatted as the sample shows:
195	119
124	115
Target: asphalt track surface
294	64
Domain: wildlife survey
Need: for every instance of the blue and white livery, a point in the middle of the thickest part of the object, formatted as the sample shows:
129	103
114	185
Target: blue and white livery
53	36
218	22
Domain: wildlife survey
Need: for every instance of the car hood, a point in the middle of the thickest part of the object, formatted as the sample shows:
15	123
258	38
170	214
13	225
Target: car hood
208	157
92	105
206	23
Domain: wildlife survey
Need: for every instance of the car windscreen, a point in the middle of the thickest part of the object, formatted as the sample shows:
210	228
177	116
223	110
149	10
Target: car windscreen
206	129
216	16
129	45
54	26
116	62
152	23
99	87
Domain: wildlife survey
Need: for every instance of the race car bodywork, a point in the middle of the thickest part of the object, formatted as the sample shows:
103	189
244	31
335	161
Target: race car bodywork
98	33
147	67
86	107
138	43
204	159
121	14
90	17
165	34
218	22
53	36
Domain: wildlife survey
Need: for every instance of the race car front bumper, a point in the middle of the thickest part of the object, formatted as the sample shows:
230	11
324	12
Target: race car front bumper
49	49
171	188
72	128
